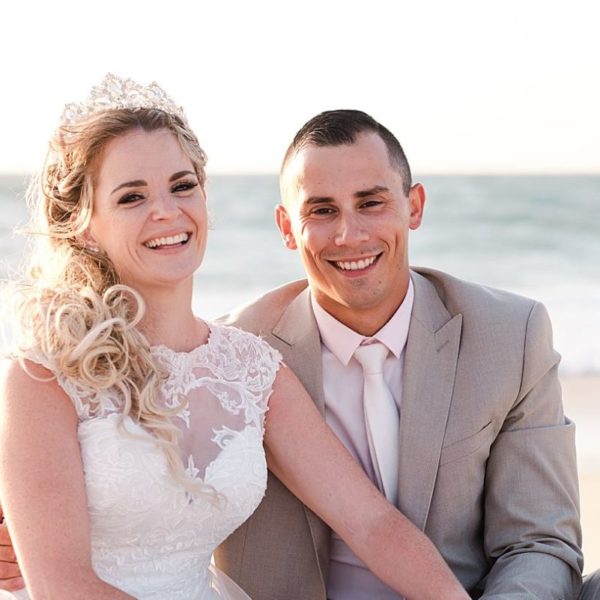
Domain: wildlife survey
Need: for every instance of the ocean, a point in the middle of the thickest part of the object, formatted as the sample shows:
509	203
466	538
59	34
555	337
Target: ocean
534	235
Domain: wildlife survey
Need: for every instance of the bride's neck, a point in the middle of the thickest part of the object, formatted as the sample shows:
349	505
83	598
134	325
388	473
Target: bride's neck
169	321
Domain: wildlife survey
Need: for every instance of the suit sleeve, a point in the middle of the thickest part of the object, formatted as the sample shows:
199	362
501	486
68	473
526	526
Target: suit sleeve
532	529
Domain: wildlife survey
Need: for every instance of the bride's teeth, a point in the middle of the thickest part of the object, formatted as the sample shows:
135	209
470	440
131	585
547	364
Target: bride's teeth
168	241
363	263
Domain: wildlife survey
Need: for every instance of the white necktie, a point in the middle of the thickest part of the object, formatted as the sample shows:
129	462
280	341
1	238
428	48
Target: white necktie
381	417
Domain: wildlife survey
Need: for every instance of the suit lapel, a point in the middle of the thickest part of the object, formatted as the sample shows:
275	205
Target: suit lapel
428	382
296	336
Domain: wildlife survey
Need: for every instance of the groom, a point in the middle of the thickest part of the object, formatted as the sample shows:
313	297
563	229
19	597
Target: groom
486	458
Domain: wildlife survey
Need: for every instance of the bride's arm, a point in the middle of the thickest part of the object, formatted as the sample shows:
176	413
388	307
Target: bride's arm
42	488
307	457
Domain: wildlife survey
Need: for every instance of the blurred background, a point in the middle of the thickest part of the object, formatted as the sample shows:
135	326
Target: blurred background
495	103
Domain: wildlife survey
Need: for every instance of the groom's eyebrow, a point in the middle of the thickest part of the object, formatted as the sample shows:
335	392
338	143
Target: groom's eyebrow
377	189
318	200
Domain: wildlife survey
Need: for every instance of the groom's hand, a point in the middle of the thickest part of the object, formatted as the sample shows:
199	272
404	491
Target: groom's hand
10	575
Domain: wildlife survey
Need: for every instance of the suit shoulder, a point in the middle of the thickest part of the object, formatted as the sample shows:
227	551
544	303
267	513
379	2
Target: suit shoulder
261	314
472	299
498	327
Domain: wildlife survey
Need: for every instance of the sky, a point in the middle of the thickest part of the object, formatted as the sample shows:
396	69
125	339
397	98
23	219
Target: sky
468	86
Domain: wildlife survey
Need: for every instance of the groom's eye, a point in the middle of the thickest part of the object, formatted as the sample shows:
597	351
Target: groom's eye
323	210
371	203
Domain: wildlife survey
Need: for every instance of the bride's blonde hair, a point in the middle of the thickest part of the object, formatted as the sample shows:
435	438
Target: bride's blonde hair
70	307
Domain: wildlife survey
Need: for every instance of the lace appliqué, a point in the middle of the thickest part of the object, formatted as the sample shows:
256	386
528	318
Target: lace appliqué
230	357
89	403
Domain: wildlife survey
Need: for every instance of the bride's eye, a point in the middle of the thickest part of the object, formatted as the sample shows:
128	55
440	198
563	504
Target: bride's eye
184	186
130	198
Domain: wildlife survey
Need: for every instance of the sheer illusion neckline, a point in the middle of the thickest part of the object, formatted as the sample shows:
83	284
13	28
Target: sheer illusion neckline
201	348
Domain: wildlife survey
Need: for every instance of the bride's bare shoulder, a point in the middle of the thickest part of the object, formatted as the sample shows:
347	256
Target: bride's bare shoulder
25	382
23	371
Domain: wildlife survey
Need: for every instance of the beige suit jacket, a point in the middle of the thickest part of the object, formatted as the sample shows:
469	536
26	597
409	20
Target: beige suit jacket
487	459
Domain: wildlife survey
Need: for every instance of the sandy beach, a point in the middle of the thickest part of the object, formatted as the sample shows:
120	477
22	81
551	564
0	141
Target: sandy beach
581	396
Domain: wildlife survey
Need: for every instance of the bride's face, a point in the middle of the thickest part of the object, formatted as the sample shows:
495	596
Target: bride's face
149	210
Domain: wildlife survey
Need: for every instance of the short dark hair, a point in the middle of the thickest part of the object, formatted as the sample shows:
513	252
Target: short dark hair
342	126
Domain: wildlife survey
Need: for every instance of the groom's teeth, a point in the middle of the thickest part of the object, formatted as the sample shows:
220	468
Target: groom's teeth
167	241
355	265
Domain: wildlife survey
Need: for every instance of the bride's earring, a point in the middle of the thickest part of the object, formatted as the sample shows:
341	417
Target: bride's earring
89	243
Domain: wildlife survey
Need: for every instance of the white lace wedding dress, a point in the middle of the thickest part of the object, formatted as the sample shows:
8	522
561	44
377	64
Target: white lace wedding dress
150	537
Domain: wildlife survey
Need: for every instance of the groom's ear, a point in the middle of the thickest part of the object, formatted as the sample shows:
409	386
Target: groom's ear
284	223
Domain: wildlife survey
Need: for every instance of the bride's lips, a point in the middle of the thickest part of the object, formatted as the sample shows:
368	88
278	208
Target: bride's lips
168	241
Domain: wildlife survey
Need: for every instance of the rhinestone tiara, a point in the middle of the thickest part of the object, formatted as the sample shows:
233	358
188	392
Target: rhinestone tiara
115	93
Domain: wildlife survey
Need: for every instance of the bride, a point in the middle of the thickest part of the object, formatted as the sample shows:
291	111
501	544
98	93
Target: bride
135	436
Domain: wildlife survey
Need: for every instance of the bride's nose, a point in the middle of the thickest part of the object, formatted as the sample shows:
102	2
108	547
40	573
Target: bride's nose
164	207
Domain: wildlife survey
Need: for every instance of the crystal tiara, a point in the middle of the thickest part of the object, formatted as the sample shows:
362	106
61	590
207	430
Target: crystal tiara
116	93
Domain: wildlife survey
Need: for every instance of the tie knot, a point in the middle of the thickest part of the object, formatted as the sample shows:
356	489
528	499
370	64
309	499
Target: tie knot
371	357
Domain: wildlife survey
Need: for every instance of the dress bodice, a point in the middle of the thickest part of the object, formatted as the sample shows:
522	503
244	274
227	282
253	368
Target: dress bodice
151	536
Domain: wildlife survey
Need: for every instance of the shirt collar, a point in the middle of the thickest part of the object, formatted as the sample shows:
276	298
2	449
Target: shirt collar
343	341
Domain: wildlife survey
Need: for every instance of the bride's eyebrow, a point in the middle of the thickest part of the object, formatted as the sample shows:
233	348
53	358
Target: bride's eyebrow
180	174
135	183
141	182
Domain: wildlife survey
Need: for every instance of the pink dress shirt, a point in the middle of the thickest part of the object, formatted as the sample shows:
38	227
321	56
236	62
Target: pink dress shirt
349	578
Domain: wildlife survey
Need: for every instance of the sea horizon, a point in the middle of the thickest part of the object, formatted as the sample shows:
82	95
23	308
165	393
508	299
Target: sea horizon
534	235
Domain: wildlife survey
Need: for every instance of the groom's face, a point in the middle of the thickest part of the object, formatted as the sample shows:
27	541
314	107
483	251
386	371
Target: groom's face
345	210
